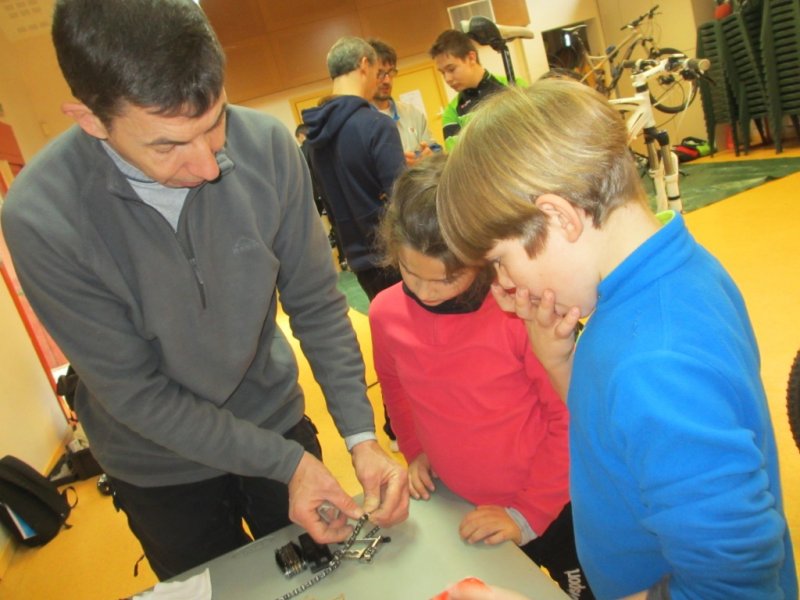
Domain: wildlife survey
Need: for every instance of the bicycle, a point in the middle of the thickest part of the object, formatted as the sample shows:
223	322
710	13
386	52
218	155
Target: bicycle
793	399
668	94
662	163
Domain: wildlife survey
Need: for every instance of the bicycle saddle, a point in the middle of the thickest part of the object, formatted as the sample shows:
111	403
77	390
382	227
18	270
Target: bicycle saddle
487	33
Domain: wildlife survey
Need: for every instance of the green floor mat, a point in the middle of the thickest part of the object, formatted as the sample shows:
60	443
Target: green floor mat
356	298
707	183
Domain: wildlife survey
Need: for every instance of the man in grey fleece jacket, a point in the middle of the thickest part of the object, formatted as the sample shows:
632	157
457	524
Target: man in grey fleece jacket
152	240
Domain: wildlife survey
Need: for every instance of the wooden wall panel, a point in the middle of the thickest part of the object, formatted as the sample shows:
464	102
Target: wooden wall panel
410	26
370	3
300	51
511	12
252	70
281	14
234	20
274	45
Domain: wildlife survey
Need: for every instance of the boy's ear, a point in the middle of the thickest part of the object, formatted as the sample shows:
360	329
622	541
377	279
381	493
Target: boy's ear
563	214
85	119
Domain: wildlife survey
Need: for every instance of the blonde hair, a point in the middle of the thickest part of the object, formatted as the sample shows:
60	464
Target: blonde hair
558	137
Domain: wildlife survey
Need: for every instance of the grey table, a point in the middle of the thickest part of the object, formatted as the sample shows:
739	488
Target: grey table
424	557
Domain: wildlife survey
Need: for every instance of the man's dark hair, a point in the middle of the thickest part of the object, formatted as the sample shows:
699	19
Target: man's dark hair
155	54
384	51
301	129
453	42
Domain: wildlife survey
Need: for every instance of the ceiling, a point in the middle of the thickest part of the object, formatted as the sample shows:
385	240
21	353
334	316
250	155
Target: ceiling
23	19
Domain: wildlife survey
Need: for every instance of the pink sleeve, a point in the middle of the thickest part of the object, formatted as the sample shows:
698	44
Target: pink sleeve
394	396
547	490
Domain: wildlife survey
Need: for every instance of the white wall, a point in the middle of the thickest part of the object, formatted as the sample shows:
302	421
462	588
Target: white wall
32	426
548	14
31	92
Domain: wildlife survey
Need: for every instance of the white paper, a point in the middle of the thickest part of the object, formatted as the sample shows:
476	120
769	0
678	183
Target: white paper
414	98
25	530
197	587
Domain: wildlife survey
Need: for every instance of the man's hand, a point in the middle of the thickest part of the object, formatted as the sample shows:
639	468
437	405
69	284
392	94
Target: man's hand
310	487
489	524
551	333
423	151
385	484
420	478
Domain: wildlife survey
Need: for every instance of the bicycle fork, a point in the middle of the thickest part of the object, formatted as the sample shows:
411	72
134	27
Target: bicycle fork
663	170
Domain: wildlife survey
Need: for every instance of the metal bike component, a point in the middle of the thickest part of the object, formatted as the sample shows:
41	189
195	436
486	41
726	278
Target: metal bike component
371	543
668	94
289	559
662	162
487	33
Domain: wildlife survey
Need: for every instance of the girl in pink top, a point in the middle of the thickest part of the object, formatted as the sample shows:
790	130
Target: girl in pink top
468	400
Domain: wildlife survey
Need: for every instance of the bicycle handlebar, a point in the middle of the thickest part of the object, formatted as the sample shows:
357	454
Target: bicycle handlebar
675	62
698	64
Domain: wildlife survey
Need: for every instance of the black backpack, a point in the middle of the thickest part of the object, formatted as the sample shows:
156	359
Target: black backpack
31	507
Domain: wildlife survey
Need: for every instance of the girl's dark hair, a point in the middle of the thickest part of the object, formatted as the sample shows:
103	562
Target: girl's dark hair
155	54
411	220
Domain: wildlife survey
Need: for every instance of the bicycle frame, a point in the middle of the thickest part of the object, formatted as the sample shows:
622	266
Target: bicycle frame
597	63
602	65
662	161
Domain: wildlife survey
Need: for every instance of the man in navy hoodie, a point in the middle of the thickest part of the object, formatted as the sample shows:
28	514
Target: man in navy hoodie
356	153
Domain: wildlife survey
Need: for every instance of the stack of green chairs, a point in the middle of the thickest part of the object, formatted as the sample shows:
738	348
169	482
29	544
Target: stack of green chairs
752	12
744	75
719	106
780	48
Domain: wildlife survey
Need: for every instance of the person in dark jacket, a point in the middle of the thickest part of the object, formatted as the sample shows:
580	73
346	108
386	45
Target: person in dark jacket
356	153
320	201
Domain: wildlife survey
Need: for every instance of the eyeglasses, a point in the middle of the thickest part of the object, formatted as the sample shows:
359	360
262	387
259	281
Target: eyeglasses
391	73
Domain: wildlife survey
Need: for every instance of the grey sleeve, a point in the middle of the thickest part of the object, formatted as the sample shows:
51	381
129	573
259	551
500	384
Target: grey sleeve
307	285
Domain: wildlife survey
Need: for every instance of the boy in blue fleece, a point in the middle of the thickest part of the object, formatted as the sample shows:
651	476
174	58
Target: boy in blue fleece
674	472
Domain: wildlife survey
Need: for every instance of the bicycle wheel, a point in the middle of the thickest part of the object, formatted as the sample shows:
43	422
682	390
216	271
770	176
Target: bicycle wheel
670	93
793	399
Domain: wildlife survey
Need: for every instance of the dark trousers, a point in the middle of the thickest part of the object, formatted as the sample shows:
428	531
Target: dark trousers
182	526
377	279
555	550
